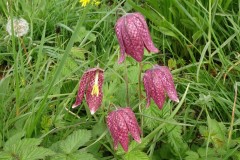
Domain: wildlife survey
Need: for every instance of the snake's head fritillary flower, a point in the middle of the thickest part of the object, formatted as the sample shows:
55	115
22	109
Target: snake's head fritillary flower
20	27
158	81
133	35
91	84
121	122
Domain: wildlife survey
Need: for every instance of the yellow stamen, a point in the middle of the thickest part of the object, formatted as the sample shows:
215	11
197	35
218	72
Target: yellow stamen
95	89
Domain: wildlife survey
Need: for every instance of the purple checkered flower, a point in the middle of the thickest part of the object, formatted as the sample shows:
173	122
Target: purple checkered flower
91	85
120	123
133	35
158	81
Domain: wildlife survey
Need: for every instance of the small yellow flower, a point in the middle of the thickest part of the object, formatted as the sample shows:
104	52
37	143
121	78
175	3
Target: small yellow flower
96	2
84	2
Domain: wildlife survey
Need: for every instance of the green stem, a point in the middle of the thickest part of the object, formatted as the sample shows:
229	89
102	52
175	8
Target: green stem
233	113
150	136
15	57
140	93
126	83
42	105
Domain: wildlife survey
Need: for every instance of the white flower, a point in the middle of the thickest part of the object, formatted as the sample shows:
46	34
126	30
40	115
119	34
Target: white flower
20	27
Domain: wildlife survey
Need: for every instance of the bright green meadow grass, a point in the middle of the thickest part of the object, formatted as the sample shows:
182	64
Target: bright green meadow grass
199	41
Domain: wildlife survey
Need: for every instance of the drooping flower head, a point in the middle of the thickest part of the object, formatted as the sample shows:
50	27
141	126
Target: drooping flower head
133	35
91	85
120	123
20	27
158	81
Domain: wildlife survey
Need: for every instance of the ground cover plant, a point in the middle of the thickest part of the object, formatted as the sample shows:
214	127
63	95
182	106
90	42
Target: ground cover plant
76	82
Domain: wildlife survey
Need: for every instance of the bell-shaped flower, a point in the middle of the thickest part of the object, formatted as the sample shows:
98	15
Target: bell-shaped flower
158	81
91	85
133	35
120	123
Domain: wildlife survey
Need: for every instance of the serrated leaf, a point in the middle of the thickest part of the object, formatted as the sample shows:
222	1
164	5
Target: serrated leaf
133	74
78	53
153	112
74	156
36	153
92	37
69	66
172	63
83	155
175	137
191	155
59	156
5	156
134	146
12	140
26	148
217	132
75	140
133	155
27	143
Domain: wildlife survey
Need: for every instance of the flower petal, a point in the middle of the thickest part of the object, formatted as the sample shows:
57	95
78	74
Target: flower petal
133	45
82	87
94	101
113	128
122	131
145	35
147	83
118	30
132	123
167	81
157	89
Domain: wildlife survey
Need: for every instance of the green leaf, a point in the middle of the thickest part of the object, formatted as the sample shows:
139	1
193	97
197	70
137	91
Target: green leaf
133	155
12	140
26	148
134	146
74	156
174	134
133	74
83	155
78	53
191	155
153	112
217	132
172	63
36	153
5	156
75	140
69	66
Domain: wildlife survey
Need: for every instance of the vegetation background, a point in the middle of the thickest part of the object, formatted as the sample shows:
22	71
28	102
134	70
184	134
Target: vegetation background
199	42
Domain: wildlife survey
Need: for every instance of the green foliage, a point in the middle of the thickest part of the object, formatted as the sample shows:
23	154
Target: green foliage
175	139
18	147
69	148
135	155
39	74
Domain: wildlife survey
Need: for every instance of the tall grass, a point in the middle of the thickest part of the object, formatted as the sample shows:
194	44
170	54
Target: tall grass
198	39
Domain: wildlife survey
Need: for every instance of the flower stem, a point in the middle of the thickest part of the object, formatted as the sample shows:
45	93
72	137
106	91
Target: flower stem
140	93
24	47
233	112
126	83
120	9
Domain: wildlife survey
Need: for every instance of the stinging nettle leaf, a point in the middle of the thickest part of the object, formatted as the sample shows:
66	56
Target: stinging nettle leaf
133	155
75	140
12	140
